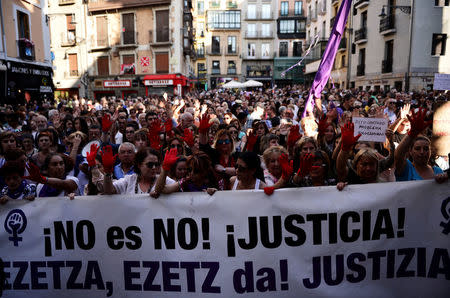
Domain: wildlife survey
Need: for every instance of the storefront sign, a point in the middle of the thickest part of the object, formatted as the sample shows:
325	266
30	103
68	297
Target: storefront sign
117	84
45	89
30	71
158	82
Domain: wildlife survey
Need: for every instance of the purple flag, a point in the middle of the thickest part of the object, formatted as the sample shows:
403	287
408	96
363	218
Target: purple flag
323	73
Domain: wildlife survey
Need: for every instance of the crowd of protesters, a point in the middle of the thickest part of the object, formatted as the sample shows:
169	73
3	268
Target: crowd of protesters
213	141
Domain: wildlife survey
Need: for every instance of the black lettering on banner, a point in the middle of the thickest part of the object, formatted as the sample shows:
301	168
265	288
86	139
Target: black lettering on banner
328	270
267	282
193	232
93	276
343	226
376	262
359	269
421	262
190	274
435	266
168	276
317	226
132	234
408	254
18	285
5	285
90	237
207	286
316	279
366	224
148	283
36	274
332	228
265	231
247	273
2	277
167	234
56	269
231	248
295	230
129	275
252	233
390	263
383	225
71	281
64	234
115	233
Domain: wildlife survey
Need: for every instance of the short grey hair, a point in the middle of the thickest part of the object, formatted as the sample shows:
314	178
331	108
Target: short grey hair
127	144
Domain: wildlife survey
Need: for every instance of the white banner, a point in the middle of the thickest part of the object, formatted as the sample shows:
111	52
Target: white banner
377	240
441	81
371	129
116	84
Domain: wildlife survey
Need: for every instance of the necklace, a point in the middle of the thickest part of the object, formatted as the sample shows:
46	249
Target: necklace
137	186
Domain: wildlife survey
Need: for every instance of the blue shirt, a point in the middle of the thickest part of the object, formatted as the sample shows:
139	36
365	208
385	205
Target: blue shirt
118	172
410	173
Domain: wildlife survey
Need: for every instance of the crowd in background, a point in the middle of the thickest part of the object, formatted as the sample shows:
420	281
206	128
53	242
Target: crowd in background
213	141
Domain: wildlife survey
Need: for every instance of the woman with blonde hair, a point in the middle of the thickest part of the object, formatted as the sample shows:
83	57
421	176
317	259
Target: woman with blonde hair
273	171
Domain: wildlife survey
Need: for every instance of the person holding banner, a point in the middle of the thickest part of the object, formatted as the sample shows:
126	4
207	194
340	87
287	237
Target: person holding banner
419	151
249	174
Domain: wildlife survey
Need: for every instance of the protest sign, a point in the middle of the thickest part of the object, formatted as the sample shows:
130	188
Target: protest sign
441	81
379	240
371	129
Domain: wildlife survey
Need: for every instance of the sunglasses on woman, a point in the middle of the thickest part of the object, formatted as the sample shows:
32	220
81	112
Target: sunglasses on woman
152	165
221	142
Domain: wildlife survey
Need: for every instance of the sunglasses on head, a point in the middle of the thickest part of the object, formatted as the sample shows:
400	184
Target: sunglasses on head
221	142
152	165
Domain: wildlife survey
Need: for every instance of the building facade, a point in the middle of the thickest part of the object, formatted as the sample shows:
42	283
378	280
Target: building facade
291	37
25	58
399	47
339	74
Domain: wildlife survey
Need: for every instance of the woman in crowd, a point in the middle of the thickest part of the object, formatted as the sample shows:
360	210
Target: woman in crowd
28	145
44	142
249	174
179	170
8	141
273	171
140	139
314	170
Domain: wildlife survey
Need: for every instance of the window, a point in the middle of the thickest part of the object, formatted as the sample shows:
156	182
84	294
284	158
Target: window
362	56
438	44
300	26
251	30
215	67
201	67
201	29
162	62
73	65
228	19
284	48
441	2
364	19
251	50
323	29
284	8
265	50
23	24
287	26
201	50
298	8
389	50
128	66
231	44
200	7
231	67
251	12
343	61
128	28
265	11
102	31
103	66
162	28
265	32
215	45
70	21
297	48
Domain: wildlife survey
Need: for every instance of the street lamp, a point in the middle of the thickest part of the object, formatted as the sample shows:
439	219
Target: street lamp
404	9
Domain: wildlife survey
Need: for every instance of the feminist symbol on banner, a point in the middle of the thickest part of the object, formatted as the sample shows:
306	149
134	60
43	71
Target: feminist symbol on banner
15	223
145	61
311	46
445	213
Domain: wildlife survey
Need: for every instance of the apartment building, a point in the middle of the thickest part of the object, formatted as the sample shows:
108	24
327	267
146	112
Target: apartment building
339	74
317	23
291	37
219	29
25	58
399	44
258	41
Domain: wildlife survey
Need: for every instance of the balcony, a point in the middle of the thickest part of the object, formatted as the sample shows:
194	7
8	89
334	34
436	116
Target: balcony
160	40
214	4
259	34
361	3
202	73
259	15
291	13
215	71
342	44
318	50
232	4
71	73
387	25
230	52
231	71
386	66
314	15
67	41
200	53
66	2
26	49
322	9
361	35
360	70
214	51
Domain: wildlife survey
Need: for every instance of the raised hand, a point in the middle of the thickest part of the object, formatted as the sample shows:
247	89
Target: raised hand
251	141
418	123
168	126
90	156
188	137
294	135
35	174
108	159
170	159
322	125
404	111
154	139
286	166
348	138
305	166
204	124
106	123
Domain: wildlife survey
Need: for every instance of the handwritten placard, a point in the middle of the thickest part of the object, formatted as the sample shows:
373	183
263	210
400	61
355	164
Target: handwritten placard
441	81
371	129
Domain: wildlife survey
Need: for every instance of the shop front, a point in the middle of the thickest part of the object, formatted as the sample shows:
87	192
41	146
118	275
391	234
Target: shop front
172	84
25	82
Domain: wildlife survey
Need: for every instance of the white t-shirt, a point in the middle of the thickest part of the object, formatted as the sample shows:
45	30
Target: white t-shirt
127	184
62	193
